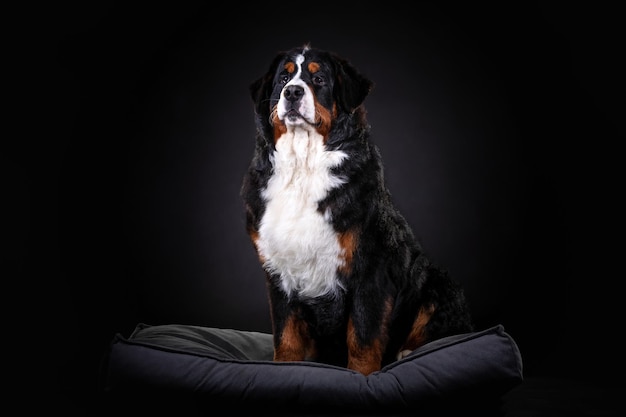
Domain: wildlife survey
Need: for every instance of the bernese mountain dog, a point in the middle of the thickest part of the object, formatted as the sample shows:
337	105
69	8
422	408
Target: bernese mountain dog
348	282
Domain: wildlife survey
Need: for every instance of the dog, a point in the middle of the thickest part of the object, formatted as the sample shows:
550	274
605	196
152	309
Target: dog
348	282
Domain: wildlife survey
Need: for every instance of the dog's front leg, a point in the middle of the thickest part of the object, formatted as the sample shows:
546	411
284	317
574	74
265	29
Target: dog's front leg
367	339
291	334
292	342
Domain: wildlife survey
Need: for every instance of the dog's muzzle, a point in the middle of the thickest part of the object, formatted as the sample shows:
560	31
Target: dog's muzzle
296	105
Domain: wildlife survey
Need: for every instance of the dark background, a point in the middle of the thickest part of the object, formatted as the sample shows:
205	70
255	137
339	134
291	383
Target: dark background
499	127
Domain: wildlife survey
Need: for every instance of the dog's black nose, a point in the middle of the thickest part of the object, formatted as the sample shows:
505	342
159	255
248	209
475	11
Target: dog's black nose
293	93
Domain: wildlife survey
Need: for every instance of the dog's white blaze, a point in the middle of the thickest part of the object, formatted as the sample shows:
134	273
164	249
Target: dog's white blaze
295	239
306	106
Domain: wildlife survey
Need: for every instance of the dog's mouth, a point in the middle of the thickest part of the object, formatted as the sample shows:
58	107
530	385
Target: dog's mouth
293	115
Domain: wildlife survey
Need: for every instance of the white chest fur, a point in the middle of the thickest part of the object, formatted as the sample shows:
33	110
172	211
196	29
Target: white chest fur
295	239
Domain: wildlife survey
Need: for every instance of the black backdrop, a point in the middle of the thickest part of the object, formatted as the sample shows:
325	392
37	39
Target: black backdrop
496	124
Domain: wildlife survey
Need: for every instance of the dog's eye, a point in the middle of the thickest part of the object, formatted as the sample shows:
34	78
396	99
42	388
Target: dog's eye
318	80
284	79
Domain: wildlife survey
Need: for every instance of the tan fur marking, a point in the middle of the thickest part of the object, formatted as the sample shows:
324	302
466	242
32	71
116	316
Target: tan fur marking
314	67
418	336
323	118
368	358
295	344
279	126
347	241
254	236
290	67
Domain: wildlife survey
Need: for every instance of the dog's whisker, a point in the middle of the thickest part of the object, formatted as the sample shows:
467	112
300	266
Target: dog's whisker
273	115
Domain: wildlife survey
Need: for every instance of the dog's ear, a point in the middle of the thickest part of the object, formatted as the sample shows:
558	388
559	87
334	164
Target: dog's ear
351	87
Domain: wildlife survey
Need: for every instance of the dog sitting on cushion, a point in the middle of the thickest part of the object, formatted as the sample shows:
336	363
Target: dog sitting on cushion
348	283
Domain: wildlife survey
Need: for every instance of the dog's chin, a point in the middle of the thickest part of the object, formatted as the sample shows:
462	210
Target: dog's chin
294	118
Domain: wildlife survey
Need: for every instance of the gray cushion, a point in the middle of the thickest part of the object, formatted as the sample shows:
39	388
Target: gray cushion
233	366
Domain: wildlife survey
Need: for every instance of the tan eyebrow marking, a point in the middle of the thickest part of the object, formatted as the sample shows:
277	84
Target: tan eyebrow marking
314	67
290	67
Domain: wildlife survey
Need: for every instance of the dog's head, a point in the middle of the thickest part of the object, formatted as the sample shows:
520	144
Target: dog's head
307	88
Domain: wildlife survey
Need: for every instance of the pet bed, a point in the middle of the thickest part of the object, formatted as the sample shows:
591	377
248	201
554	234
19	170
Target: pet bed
199	368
